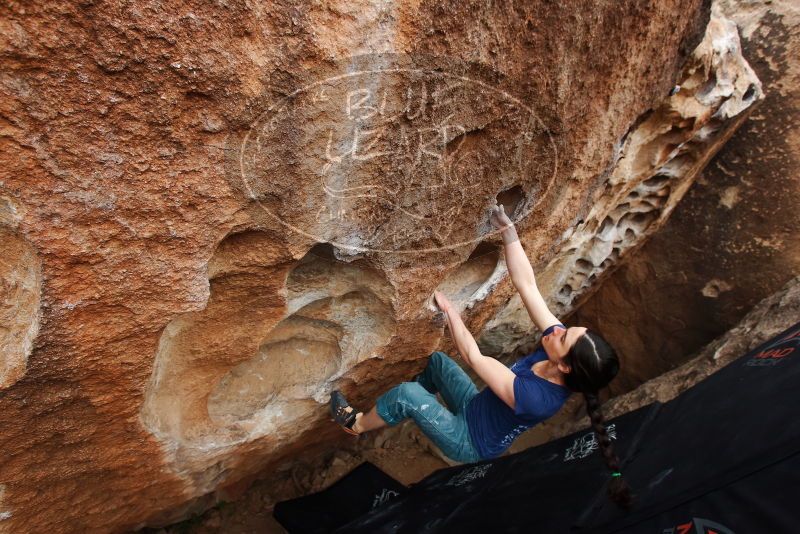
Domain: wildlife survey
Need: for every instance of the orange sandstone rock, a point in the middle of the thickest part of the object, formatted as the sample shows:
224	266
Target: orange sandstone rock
223	219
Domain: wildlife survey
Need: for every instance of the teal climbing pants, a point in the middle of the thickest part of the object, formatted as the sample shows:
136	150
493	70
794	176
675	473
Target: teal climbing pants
446	426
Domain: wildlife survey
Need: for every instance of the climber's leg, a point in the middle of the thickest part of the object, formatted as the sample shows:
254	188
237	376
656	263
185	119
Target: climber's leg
448	431
446	377
368	421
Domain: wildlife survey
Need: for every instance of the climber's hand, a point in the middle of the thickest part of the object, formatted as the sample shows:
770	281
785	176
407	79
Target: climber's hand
443	302
498	217
464	342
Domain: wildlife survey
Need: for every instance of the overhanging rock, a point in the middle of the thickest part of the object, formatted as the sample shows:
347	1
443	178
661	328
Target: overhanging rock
170	286
654	164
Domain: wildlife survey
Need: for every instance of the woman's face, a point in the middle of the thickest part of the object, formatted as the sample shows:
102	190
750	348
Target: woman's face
559	341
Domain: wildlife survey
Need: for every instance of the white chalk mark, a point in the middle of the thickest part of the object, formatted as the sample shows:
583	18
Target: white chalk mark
584	445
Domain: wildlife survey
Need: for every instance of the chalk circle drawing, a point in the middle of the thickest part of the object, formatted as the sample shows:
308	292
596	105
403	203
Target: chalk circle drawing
392	154
586	444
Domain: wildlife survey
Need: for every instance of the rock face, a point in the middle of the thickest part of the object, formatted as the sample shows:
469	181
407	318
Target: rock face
217	214
654	164
733	240
20	284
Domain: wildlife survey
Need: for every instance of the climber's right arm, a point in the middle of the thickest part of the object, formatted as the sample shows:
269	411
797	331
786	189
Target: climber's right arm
521	273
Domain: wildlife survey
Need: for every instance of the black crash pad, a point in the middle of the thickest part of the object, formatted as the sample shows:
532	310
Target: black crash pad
363	489
722	458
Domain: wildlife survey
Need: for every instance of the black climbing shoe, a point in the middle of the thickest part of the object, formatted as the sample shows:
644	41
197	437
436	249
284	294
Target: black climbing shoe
341	415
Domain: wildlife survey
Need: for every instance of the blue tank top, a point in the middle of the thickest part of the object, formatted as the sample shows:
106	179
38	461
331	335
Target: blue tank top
493	425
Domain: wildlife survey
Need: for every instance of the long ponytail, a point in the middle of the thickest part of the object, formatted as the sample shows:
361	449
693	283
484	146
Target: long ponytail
618	490
593	363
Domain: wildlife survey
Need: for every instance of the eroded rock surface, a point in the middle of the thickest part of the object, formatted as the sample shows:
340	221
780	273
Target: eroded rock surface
179	169
733	240
251	512
20	295
237	371
654	164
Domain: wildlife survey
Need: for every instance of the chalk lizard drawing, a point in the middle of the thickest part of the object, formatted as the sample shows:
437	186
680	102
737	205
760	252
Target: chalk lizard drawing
469	475
584	445
383	497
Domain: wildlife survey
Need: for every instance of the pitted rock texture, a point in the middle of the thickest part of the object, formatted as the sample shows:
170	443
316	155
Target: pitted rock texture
654	164
178	227
733	240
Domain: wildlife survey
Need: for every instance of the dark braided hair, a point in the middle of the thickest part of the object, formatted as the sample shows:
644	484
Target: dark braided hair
593	363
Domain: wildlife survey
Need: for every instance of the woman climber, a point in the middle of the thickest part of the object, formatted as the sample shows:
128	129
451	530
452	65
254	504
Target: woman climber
475	425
